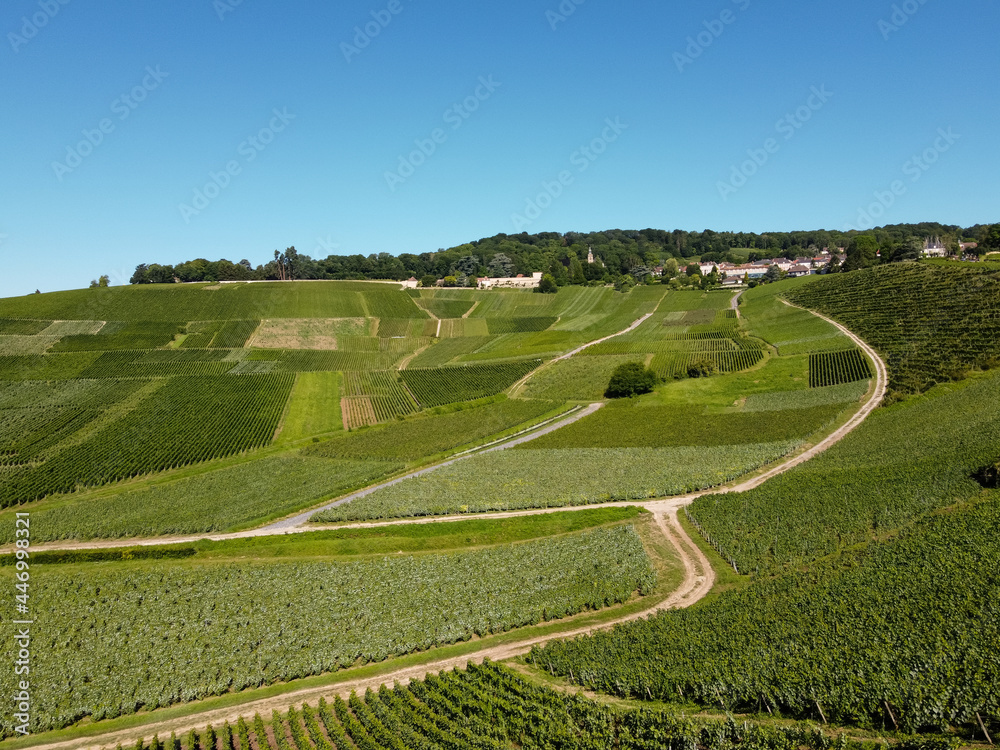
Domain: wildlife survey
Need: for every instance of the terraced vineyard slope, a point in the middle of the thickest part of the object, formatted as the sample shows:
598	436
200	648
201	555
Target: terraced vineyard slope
931	323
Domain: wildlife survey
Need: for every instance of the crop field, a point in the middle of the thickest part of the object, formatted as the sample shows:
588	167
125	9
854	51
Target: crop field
576	379
685	301
688	328
200	623
200	333
518	479
45	367
450	306
779	400
446	350
398	328
903	462
930	323
642	425
835	368
790	330
303	360
908	623
137	363
36	416
672	366
626	345
20	345
451	384
467	327
421	436
187	302
233	415
384	392
73	328
216	501
121	335
518	325
358	412
10	327
309	333
539	345
489	707
234	334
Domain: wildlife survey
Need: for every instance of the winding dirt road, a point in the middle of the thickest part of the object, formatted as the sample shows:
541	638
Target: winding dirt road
697	582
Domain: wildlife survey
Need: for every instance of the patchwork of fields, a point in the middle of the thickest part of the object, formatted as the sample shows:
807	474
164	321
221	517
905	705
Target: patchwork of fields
674	442
867	593
109	386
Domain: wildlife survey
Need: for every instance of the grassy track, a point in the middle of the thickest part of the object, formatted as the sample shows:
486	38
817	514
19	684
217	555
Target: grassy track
791	330
314	408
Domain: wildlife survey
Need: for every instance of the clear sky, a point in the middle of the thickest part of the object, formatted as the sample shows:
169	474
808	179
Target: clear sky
231	128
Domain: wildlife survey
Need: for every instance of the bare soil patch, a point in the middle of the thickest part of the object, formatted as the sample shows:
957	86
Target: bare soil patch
308	333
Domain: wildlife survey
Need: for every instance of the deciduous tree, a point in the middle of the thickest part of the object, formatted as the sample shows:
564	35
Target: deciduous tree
631	379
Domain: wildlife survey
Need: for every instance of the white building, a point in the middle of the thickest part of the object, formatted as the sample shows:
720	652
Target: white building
707	268
935	248
517	282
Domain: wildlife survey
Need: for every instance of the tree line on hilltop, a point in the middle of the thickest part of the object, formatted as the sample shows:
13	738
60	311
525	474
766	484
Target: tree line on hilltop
617	254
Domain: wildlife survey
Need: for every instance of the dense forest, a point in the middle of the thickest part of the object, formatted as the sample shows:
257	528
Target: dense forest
617	253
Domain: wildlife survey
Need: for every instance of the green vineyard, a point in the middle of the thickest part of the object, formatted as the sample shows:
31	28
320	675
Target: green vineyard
672	366
447	385
518	325
411	439
22	327
180	421
902	631
861	592
203	621
930	323
375	397
116	336
836	368
490	707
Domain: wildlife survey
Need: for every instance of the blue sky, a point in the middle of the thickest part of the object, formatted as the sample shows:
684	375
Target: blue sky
231	129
